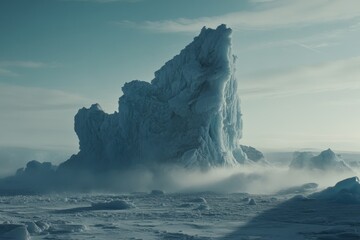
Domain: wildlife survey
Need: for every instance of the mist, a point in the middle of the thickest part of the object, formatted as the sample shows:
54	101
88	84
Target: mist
249	179
241	179
13	158
44	175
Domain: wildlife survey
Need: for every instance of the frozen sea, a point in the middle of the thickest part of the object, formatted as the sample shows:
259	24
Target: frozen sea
203	215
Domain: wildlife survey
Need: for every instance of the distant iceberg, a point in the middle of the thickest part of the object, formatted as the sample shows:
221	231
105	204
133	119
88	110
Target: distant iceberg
189	114
254	156
326	161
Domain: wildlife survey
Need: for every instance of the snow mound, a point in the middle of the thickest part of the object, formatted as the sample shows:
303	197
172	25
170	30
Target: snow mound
189	114
198	200
252	201
33	227
345	191
157	192
185	205
14	232
202	207
43	226
325	161
300	197
66	228
112	205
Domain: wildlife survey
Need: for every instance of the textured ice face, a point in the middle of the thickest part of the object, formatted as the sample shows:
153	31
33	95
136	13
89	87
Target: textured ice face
189	114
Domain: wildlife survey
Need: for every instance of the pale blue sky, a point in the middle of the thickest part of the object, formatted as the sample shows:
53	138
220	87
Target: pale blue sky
298	64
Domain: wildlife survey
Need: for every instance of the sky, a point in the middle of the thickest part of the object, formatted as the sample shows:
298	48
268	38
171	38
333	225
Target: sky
298	65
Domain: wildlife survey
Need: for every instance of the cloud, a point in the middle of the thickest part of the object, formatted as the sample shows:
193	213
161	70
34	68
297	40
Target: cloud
266	14
354	27
8	68
261	1
7	73
334	76
305	46
104	1
345	102
38	117
315	42
23	64
18	98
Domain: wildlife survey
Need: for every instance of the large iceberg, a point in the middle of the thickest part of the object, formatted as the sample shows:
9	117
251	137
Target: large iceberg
188	115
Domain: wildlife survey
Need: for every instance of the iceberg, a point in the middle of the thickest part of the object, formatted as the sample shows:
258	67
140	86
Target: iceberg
346	191
189	115
254	156
326	160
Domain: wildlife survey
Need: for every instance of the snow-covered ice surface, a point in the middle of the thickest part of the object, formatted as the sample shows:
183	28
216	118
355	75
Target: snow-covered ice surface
204	215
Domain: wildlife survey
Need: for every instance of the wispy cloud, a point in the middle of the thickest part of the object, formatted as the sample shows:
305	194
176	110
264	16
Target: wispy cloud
38	117
7	73
23	64
103	1
328	77
9	68
345	102
354	27
313	49
314	42
19	98
271	14
261	1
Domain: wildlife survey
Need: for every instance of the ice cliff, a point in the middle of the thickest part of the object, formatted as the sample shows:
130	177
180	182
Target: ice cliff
189	114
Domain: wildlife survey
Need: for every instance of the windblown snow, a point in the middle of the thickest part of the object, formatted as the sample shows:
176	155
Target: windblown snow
189	114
